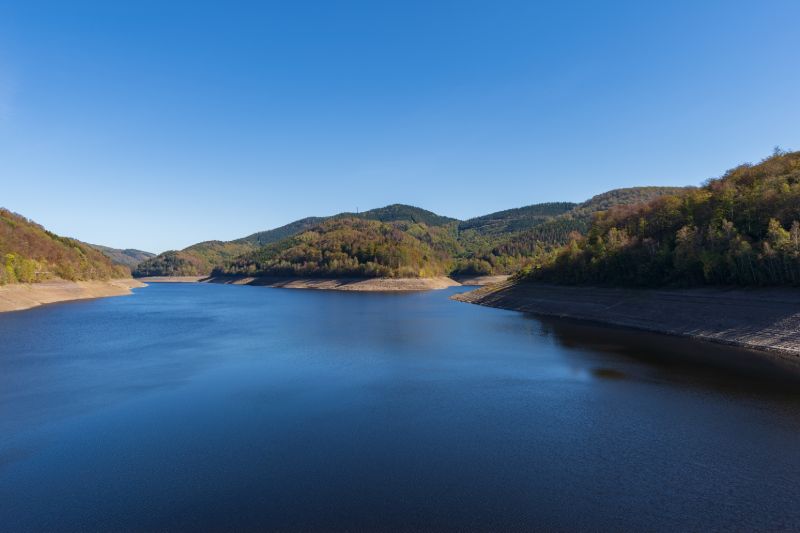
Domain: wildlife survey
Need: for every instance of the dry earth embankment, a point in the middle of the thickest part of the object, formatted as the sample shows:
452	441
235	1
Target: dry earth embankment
344	284
19	296
763	319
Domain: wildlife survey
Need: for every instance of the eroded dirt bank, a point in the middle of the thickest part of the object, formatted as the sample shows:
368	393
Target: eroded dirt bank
762	319
19	296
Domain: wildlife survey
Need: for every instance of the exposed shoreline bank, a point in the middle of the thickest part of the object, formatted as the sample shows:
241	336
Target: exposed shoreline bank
337	284
343	284
759	319
172	279
20	296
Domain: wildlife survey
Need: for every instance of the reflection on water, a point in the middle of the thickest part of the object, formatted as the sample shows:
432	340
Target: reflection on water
226	407
677	359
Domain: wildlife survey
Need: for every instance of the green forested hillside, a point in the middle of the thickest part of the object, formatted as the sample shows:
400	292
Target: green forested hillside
345	247
513	220
274	235
128	257
196	260
742	228
202	258
171	263
498	243
509	251
29	253
578	219
402	213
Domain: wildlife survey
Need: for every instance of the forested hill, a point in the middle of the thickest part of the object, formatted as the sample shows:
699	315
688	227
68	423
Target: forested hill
498	243
579	218
354	247
128	257
491	252
390	213
201	258
29	254
274	235
518	219
742	228
401	213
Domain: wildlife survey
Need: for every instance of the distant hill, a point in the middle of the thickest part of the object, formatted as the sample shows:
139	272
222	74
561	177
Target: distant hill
488	252
578	219
128	257
742	228
401	213
201	258
29	253
513	220
501	242
274	235
354	246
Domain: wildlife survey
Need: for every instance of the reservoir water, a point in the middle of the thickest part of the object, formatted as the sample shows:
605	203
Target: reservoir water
208	407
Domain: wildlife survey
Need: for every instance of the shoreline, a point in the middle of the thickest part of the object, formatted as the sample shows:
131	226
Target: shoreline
765	320
336	284
21	296
172	279
341	284
480	281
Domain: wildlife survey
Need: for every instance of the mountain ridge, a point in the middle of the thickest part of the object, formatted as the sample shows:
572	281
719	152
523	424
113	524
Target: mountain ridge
474	247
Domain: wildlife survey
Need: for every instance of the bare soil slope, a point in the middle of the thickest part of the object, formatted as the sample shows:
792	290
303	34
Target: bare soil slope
763	319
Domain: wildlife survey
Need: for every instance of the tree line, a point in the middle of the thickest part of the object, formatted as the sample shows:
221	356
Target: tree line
740	229
29	253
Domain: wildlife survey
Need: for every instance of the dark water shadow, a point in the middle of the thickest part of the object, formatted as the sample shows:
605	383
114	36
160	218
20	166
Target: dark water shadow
659	357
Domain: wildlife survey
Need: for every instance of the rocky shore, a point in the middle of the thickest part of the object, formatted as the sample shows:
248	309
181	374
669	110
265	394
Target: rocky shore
19	296
762	319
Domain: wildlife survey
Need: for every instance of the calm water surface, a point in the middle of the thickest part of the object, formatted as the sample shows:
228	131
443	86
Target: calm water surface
219	407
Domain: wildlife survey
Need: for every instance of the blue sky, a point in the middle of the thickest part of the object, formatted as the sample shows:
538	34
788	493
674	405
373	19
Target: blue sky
156	125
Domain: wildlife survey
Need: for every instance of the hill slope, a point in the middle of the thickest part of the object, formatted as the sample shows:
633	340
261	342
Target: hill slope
742	228
29	254
353	247
401	213
498	243
128	257
274	235
507	252
202	258
512	220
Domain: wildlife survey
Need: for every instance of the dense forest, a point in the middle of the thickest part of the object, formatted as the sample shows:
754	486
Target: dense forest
430	244
202	258
29	254
128	257
514	220
196	260
518	246
353	247
740	229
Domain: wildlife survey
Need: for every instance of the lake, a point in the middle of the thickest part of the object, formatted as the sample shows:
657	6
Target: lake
196	407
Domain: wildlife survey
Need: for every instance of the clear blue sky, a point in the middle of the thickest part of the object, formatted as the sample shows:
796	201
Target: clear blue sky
133	124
